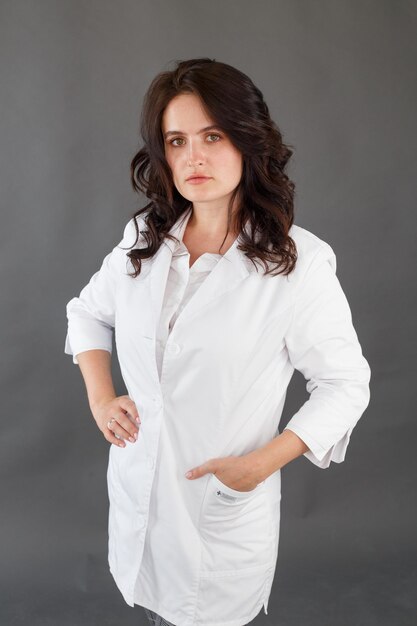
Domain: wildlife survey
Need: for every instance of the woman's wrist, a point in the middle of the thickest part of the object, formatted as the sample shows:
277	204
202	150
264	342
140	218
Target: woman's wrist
96	404
271	457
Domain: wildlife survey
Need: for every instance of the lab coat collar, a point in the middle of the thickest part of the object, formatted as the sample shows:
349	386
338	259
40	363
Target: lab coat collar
241	264
233	268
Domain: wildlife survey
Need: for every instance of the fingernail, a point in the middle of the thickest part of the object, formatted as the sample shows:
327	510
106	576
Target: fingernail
138	420
188	474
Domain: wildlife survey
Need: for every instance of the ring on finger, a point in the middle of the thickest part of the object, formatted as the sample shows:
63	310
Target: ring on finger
110	422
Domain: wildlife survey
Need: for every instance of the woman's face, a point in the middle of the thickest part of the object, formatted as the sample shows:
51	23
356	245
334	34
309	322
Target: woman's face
193	149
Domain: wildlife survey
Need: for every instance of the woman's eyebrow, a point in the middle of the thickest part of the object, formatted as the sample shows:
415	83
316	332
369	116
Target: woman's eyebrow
180	132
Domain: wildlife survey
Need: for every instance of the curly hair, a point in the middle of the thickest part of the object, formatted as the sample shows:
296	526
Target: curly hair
266	194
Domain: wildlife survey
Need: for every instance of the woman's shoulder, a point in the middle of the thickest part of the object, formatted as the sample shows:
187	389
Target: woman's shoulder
130	233
307	242
310	247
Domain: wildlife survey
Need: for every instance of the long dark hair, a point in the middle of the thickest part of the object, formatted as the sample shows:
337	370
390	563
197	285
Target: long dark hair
265	193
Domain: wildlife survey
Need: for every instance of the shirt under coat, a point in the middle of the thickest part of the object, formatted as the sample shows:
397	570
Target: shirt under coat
208	369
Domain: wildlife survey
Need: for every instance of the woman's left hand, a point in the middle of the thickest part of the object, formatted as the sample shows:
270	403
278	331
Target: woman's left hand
242	473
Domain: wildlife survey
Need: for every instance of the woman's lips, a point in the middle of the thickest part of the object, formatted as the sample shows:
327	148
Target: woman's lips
198	181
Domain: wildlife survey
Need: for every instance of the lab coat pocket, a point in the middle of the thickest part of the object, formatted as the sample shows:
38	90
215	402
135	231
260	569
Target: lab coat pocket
229	493
236	529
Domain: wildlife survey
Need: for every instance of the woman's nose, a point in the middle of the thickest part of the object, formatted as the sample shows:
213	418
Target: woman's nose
195	154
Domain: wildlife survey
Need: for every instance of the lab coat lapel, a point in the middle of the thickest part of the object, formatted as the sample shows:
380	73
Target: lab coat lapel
228	273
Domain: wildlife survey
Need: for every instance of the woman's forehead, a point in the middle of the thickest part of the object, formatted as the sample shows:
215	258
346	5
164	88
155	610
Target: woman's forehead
185	114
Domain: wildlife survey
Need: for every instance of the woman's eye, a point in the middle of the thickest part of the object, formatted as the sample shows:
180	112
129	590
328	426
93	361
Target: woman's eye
172	142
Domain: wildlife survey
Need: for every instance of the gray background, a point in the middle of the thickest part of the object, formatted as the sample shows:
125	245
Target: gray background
339	78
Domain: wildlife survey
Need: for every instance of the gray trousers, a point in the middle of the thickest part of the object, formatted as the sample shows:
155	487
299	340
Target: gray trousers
155	619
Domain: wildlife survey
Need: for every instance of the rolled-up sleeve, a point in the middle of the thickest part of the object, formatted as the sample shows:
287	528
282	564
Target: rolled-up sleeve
91	315
323	345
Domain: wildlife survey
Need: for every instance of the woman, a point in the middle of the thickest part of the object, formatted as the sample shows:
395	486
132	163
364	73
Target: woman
215	296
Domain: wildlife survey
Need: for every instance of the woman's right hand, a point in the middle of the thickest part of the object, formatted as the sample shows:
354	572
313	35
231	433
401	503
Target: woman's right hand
116	410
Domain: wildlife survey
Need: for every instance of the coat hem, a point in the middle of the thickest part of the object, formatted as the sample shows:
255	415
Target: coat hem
128	598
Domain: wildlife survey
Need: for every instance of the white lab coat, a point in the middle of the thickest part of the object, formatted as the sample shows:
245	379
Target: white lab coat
208	558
